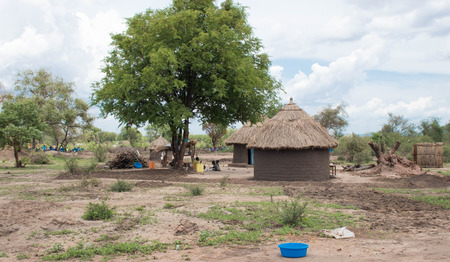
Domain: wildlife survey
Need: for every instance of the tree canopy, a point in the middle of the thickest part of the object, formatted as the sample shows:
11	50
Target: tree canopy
192	59
398	124
19	123
133	135
334	119
60	110
432	128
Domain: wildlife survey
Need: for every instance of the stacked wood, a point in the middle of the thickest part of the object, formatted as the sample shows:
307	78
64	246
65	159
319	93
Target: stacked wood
357	167
126	159
429	155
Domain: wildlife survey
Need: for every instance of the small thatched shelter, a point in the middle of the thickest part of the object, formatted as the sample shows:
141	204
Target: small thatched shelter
292	146
429	155
155	155
240	139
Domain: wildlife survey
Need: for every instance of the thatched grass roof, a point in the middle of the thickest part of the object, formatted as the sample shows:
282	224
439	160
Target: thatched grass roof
245	134
160	141
292	129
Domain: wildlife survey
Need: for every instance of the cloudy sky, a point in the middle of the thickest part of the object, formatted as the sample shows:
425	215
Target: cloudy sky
376	56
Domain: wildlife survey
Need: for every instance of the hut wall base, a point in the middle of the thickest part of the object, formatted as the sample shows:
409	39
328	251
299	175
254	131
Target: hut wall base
292	165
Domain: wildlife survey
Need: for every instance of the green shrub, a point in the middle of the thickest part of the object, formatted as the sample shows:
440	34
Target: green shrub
196	190
121	186
354	148
100	153
39	158
92	165
56	248
22	256
169	206
25	160
98	212
292	212
93	182
72	166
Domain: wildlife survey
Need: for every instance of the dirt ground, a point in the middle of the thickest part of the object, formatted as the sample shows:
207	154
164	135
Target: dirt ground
394	227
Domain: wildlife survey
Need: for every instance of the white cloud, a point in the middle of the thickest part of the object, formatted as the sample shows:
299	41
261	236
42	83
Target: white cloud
341	75
30	44
276	71
370	116
94	39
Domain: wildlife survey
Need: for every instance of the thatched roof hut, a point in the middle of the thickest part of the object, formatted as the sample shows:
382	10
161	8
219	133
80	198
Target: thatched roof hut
240	139
155	146
160	141
292	146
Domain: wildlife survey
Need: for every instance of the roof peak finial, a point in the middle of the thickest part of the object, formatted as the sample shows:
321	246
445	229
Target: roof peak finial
291	100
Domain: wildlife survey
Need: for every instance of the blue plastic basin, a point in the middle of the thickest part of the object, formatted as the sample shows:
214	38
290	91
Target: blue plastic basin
137	165
293	249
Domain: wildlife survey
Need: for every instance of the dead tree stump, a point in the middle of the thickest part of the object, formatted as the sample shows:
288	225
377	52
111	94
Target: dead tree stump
389	162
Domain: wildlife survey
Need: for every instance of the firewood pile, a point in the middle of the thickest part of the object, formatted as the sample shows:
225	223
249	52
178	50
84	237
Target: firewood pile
126	159
357	167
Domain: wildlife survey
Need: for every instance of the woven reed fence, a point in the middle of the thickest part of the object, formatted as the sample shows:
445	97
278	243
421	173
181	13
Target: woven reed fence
429	155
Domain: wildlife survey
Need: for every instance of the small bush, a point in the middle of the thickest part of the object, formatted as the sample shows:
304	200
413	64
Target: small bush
98	212
92	165
121	186
39	158
169	206
72	165
100	153
196	190
292	212
56	248
93	182
25	160
224	182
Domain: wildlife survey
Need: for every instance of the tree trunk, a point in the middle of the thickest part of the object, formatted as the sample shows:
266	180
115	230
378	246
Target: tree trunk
179	142
16	156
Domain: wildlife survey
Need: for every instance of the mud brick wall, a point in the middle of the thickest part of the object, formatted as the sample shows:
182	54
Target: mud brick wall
240	154
292	165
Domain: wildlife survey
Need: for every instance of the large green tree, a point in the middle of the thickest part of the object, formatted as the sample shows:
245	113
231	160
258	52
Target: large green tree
333	119
192	59
19	124
64	114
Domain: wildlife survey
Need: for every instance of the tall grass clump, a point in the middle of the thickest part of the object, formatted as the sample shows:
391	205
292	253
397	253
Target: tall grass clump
121	186
195	190
292	212
223	182
98	212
